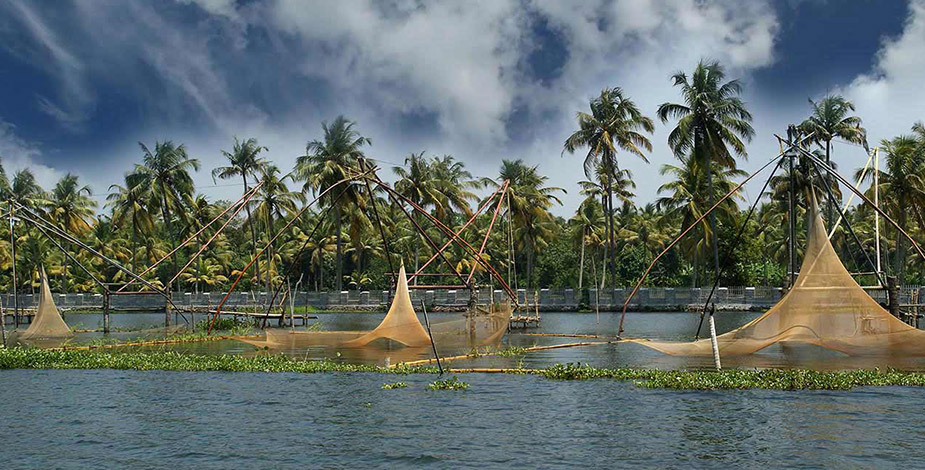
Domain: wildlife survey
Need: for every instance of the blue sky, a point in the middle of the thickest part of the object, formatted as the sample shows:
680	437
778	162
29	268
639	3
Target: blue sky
85	81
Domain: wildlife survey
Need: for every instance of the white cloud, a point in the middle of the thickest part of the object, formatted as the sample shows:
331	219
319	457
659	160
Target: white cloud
17	154
890	97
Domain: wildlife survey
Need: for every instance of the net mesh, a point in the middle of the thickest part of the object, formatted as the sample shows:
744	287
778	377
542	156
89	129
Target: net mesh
401	325
47	323
825	307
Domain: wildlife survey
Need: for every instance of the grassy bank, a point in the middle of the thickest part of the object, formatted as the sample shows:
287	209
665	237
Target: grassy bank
772	379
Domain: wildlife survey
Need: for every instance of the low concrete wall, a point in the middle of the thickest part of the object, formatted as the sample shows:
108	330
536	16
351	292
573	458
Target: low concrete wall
648	298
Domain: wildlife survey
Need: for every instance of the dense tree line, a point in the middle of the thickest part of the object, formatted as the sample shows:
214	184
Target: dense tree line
609	240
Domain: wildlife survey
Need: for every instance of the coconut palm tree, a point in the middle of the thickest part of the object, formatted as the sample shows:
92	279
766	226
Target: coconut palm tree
418	182
72	210
588	219
128	203
904	183
831	119
274	201
454	186
711	120
530	201
328	161
244	161
615	123
685	201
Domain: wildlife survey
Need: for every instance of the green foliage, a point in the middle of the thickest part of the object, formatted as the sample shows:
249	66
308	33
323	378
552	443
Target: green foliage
394	385
451	383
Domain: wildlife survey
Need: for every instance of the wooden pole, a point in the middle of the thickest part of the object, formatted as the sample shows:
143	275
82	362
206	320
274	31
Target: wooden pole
106	303
892	290
429	333
877	205
3	323
713	341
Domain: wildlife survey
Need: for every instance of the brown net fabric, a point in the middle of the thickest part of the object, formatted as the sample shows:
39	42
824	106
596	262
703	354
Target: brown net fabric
400	325
825	307
47	322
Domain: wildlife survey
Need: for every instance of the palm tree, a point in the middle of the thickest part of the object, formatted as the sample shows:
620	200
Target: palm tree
419	184
586	221
615	123
530	200
71	209
244	161
127	202
454	185
685	202
164	179
275	201
711	120
328	161
831	119
904	182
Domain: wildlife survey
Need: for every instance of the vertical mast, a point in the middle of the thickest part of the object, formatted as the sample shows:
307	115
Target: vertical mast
877	205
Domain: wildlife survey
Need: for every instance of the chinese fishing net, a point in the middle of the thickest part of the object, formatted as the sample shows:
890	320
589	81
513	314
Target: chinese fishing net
825	308
47	323
401	325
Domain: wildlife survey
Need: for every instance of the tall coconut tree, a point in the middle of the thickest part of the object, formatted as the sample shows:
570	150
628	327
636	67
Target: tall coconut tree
244	161
712	122
903	181
164	178
72	210
831	118
684	201
128	204
274	202
615	123
328	161
530	200
417	182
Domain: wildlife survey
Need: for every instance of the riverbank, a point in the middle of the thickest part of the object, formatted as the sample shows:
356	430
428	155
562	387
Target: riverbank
770	379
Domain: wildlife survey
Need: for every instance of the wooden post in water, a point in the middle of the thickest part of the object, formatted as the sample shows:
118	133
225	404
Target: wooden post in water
2	323
106	297
432	344
713	342
892	291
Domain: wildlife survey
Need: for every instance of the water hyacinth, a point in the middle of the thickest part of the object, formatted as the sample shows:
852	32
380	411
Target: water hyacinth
729	379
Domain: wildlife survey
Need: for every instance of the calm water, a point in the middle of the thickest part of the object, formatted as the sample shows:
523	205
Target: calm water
669	325
155	419
127	419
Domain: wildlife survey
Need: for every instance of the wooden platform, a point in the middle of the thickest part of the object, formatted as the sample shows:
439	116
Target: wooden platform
524	321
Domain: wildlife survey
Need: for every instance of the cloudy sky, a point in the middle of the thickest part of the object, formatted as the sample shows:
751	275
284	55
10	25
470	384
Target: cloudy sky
82	82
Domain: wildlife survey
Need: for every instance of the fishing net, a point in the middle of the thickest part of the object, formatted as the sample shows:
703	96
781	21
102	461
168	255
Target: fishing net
47	323
825	307
401	325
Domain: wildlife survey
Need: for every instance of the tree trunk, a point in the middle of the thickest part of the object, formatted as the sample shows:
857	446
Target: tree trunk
64	274
247	208
709	167
339	282
581	264
900	248
176	268
611	261
134	243
825	181
269	251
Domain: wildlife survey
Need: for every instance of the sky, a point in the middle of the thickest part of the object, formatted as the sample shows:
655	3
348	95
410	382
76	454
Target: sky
83	82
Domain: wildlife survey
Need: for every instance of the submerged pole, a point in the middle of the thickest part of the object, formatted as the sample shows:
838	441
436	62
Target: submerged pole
106	303
713	341
429	333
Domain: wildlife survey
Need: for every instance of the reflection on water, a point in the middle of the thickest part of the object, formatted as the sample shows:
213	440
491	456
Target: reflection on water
678	326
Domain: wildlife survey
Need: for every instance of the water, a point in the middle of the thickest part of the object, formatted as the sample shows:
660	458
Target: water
154	419
662	325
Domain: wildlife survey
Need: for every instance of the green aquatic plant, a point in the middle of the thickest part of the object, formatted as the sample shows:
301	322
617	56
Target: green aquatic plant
394	385
511	351
452	383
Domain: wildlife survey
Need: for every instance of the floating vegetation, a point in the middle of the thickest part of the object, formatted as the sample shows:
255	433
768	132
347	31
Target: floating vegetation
729	379
733	379
452	383
512	351
395	385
